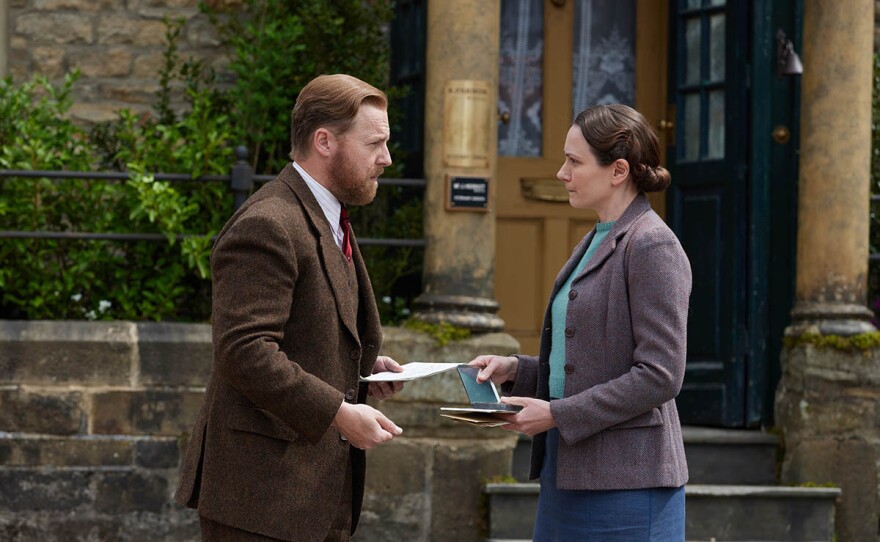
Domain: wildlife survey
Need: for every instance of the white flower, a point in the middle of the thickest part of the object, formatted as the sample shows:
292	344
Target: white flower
103	305
91	315
76	297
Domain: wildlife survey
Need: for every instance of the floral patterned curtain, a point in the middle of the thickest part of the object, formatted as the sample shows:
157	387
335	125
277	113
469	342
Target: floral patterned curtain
521	71
604	53
603	70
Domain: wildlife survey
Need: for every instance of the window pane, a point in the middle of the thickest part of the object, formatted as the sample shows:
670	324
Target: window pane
716	2
716	125
604	53
691	135
692	45
716	47
521	74
693	4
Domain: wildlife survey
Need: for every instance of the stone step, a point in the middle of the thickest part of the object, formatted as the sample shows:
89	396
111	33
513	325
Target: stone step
715	456
730	456
714	512
760	513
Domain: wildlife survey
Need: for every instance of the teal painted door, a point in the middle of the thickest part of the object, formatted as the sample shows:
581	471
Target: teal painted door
707	202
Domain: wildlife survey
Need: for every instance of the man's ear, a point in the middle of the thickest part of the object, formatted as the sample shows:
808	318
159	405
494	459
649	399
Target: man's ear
323	142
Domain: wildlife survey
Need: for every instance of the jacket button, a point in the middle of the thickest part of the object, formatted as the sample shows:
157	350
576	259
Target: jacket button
355	354
349	395
569	332
572	294
569	368
342	438
547	329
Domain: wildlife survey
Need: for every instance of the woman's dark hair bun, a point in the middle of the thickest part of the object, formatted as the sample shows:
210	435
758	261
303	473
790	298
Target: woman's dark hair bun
617	131
651	179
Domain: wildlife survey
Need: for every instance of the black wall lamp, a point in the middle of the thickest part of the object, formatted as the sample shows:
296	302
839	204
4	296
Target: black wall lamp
787	61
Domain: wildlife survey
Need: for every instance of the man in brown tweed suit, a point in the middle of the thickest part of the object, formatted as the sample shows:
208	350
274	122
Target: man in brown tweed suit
277	451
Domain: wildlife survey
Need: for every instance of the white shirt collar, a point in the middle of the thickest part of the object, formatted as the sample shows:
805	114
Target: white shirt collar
328	202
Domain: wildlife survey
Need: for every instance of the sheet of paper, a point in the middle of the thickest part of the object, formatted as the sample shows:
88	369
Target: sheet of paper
411	371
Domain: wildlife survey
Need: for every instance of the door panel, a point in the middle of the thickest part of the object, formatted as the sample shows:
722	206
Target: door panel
536	228
707	201
523	239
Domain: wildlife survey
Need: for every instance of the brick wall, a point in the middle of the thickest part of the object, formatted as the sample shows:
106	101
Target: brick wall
117	46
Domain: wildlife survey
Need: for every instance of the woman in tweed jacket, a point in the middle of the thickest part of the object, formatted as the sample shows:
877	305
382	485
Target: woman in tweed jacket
599	398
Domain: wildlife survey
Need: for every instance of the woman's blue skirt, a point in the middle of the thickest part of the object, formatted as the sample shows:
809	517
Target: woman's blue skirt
644	515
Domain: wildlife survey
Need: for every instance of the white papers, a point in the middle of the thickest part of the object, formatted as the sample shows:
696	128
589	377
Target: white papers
411	371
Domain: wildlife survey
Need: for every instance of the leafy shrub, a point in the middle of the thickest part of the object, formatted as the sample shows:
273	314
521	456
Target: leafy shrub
75	279
275	48
272	56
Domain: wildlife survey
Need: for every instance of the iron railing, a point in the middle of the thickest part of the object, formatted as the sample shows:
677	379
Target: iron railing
874	256
241	181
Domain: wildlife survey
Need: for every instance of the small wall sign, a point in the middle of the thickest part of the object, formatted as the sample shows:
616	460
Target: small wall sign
467	193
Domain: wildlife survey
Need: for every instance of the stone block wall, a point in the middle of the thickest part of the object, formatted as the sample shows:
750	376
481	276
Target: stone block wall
94	418
828	406
116	45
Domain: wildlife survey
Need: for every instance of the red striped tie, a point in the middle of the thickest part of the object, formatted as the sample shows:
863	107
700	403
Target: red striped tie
345	224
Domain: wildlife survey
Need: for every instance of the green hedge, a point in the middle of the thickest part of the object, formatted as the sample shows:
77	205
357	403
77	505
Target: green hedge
274	48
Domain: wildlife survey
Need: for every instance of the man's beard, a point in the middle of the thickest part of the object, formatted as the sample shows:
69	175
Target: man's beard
349	186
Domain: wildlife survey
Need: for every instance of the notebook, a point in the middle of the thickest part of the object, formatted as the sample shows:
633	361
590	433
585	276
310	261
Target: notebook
482	396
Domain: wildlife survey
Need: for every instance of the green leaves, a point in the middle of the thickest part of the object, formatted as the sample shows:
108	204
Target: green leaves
72	279
275	47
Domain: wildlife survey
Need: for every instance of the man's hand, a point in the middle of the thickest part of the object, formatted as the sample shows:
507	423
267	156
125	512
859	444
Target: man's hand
384	390
534	418
500	369
364	426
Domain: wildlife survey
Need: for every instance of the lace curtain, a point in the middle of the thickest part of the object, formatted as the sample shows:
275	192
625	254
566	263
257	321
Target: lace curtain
604	53
603	65
521	72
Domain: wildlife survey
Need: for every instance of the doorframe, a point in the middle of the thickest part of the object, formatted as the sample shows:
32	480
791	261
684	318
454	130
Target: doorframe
775	102
652	44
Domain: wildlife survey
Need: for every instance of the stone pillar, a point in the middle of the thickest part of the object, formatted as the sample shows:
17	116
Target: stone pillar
826	402
427	484
835	159
462	49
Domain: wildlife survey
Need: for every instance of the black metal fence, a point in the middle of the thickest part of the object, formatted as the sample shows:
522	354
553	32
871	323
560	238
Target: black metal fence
874	256
241	181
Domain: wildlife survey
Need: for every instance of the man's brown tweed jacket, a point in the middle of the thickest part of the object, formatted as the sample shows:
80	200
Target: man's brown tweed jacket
294	325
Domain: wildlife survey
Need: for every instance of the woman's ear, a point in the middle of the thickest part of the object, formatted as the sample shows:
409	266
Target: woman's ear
620	171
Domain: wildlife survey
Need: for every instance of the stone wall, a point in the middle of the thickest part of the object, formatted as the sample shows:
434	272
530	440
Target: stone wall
828	406
94	419
117	46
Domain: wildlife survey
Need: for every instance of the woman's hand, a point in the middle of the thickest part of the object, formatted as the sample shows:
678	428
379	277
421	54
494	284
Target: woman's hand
500	369
534	418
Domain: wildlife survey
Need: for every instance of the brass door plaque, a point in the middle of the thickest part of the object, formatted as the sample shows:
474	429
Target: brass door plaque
467	116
